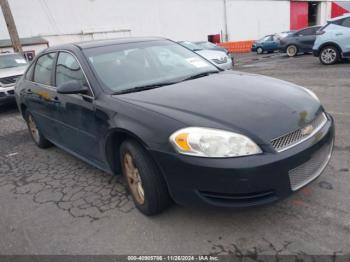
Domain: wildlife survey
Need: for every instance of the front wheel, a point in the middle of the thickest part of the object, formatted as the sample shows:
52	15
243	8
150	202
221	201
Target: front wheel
259	50
145	183
292	50
329	55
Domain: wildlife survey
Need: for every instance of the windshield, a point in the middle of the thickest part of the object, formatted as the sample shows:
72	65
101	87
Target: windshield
265	38
192	46
125	66
206	45
11	60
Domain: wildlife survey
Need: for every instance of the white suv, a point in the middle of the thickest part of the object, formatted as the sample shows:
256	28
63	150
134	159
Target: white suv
12	67
333	40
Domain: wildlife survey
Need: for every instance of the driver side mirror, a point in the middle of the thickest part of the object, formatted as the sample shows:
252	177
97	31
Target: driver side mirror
72	87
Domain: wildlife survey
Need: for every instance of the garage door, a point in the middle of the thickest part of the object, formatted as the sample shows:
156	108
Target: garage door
299	15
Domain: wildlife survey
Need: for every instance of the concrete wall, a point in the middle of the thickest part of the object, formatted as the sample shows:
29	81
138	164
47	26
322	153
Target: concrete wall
36	48
254	19
176	19
61	21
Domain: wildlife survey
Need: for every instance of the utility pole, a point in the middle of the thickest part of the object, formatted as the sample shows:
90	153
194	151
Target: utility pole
11	26
225	22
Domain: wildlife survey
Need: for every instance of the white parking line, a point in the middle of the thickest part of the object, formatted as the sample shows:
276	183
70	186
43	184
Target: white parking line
11	154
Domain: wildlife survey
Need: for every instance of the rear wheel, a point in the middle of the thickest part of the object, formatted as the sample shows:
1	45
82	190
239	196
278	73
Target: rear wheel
145	183
329	55
35	133
259	50
292	50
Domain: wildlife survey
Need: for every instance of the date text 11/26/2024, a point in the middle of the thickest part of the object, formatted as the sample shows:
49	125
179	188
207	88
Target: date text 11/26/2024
173	258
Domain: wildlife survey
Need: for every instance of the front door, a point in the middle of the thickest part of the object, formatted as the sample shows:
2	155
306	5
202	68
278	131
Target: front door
343	36
307	38
77	119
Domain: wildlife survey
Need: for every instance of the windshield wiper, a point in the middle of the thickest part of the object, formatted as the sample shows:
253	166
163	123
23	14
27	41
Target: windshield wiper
143	88
199	75
157	85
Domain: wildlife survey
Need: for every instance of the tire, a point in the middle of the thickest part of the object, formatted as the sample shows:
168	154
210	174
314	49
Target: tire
35	133
150	191
259	50
292	50
329	55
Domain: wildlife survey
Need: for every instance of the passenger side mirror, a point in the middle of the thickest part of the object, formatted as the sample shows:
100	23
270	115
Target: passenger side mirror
72	87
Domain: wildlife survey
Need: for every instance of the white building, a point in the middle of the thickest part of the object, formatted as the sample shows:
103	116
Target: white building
60	21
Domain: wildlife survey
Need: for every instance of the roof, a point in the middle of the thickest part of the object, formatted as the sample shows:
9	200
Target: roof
115	41
24	41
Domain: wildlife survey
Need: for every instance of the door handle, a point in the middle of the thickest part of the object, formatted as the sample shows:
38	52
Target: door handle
339	34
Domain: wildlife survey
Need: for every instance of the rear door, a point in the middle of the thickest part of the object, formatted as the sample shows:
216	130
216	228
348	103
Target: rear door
41	96
276	42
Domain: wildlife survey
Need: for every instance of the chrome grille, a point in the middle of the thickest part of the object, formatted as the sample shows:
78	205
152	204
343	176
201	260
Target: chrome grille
287	141
310	170
9	79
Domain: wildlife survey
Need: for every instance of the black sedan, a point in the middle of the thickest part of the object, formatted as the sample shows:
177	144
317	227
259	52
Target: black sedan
176	126
301	41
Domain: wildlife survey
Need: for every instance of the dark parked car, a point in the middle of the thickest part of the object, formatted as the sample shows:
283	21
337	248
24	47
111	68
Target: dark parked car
269	43
301	41
175	125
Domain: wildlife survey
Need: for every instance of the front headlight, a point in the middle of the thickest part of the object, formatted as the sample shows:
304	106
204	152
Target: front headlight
208	142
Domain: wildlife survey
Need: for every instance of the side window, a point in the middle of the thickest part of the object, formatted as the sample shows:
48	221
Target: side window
306	32
43	69
346	22
68	69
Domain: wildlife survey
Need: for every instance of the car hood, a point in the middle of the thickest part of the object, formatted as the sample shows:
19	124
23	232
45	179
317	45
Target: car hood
260	107
211	54
12	71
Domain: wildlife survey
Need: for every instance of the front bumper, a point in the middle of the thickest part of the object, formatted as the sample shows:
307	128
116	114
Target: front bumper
245	181
315	52
7	94
226	66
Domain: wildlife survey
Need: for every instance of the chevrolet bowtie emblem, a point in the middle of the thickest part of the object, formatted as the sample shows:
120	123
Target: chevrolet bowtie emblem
307	130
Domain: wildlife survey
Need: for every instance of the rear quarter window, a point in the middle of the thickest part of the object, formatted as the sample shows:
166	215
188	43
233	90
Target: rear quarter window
346	22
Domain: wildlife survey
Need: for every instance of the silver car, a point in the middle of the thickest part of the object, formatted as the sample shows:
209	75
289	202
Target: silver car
12	67
219	58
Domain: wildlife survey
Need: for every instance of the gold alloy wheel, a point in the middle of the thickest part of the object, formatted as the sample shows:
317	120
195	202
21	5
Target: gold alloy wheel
134	179
33	129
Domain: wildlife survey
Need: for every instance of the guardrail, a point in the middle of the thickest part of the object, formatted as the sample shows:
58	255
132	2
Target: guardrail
238	47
